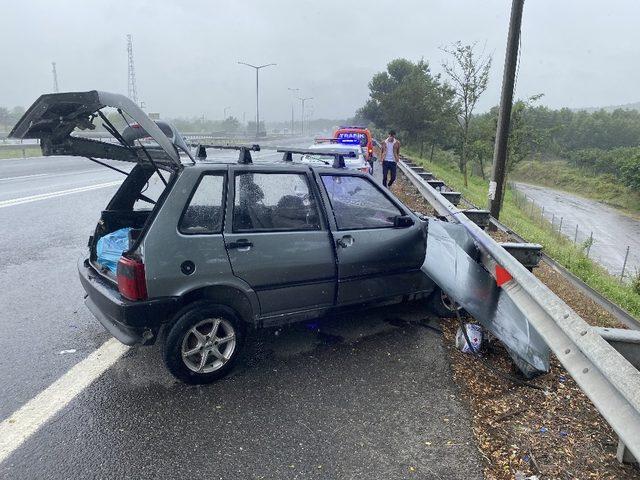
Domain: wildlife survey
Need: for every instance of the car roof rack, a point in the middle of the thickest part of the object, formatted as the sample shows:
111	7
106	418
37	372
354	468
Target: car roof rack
245	151
338	155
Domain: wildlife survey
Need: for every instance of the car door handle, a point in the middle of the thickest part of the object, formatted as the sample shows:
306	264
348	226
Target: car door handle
242	245
345	241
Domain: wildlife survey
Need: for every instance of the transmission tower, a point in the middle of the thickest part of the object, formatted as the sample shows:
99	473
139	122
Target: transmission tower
132	91
55	78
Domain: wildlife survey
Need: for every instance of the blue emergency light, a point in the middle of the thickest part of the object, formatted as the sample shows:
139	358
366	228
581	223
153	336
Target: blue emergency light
348	141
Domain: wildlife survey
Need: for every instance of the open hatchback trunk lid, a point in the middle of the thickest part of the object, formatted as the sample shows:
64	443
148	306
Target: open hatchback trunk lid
54	117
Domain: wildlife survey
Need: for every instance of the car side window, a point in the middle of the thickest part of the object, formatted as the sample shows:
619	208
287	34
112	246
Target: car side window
205	210
273	202
358	204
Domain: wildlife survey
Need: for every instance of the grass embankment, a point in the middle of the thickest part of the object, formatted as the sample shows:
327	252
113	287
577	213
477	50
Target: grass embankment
537	231
559	174
17	152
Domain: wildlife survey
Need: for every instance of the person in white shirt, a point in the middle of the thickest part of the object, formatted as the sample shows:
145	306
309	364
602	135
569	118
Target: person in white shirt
390	157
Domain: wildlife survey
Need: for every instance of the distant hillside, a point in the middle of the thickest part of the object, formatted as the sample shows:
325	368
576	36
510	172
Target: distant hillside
611	108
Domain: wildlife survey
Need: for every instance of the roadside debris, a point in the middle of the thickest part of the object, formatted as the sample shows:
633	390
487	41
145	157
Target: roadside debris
474	335
551	433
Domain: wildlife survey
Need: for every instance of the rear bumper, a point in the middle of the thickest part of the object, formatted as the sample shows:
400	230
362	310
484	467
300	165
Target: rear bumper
133	323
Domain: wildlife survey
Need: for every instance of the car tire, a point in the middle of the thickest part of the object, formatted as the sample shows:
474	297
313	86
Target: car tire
442	306
203	342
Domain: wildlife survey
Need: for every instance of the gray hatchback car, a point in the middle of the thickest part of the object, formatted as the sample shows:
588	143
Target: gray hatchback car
223	247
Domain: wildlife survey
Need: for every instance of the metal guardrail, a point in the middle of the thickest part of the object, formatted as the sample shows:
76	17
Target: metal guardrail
620	314
604	375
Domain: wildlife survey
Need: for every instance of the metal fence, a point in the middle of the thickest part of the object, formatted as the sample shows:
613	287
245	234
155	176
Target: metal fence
564	229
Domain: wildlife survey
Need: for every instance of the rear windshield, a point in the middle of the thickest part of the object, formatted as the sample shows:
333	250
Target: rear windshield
151	191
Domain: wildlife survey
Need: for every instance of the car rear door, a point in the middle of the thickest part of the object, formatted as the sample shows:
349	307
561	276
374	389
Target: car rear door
375	259
278	240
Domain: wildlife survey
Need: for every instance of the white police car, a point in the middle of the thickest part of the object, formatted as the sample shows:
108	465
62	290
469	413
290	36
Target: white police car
357	161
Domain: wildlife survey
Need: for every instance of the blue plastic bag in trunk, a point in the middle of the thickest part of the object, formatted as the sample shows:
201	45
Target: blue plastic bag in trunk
110	248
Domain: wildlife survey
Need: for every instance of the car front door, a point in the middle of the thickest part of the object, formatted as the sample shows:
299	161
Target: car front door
278	241
375	258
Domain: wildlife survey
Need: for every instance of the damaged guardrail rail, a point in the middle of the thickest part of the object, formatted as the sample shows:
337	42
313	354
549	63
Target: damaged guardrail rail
508	300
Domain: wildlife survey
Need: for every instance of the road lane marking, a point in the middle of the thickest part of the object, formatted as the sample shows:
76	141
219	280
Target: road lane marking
53	175
60	193
36	412
23	176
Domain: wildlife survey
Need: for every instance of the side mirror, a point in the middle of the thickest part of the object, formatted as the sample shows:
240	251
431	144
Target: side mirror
402	221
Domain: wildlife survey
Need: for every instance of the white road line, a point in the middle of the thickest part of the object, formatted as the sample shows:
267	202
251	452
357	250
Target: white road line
45	196
36	412
23	176
53	175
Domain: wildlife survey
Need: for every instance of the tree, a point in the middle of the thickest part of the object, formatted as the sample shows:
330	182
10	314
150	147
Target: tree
231	124
469	74
408	98
524	138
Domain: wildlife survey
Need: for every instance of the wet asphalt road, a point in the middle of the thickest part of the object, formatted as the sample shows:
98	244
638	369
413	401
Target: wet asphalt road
363	395
612	230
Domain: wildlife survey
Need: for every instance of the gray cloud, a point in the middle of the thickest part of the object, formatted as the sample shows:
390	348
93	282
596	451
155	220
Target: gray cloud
576	52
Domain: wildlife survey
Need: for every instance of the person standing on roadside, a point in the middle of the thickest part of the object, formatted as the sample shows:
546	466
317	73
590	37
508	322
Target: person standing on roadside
390	157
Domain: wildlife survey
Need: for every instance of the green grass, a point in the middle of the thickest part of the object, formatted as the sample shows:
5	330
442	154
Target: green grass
560	175
559	248
17	152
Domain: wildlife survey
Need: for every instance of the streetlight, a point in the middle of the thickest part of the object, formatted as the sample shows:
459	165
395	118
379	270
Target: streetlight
303	100
257	69
309	115
296	90
225	113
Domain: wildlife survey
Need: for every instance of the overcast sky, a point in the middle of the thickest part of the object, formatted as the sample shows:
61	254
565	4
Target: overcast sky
579	53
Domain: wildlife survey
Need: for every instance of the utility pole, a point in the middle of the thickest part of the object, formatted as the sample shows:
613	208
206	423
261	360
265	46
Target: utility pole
295	90
496	185
302	100
257	69
55	78
132	91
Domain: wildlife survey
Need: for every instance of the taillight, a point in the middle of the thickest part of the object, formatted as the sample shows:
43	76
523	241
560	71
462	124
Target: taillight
131	280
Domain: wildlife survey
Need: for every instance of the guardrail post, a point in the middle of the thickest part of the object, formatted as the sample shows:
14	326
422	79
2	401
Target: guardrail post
589	244
623	454
542	215
560	227
624	264
575	237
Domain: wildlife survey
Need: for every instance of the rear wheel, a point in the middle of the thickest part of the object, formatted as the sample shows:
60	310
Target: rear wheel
443	305
203	343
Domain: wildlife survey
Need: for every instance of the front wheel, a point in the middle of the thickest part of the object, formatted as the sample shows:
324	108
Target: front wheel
203	343
442	305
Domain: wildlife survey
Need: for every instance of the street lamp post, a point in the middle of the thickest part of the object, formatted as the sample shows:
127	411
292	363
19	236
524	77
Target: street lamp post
295	90
303	100
257	69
